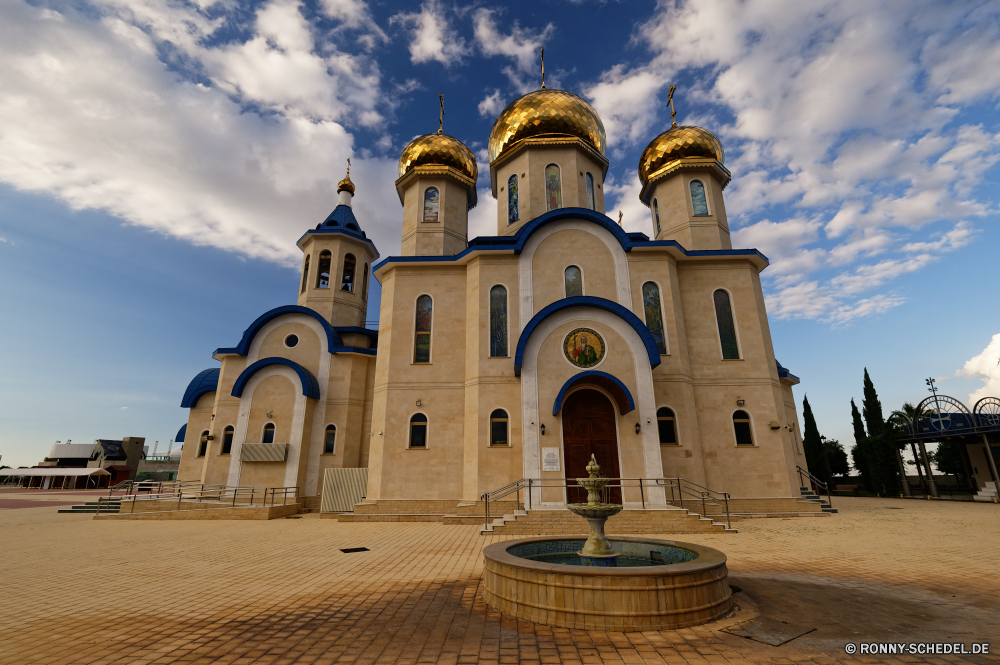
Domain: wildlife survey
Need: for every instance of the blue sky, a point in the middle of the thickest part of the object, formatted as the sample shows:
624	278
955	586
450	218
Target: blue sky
158	160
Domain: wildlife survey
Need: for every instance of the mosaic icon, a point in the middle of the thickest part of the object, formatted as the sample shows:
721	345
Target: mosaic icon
584	347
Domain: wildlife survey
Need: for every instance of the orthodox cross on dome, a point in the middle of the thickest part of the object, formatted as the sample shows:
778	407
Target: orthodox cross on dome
670	102
348	167
619	218
543	67
441	117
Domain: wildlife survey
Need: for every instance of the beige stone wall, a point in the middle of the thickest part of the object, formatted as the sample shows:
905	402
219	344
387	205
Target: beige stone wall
563	249
447	236
340	307
677	219
199	420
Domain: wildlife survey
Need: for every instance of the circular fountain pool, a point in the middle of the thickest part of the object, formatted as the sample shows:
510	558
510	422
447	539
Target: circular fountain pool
652	584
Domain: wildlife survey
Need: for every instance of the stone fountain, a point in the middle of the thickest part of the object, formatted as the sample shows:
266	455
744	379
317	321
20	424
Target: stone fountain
597	550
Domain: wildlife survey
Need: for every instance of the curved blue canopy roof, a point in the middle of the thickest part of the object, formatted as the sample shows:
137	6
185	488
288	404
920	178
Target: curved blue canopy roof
587	301
206	381
602	379
333	341
181	433
342	220
310	386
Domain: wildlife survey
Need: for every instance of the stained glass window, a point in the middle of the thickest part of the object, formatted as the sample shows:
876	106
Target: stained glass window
431	204
698	201
553	188
498	428
512	211
727	329
498	322
574	282
422	338
656	216
666	426
418	431
364	285
330	441
268	433
323	278
654	314
305	275
347	283
227	440
591	201
741	423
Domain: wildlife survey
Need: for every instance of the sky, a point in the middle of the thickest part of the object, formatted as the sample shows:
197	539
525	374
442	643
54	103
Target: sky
159	159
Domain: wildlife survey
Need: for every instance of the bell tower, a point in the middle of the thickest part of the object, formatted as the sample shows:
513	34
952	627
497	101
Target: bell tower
336	264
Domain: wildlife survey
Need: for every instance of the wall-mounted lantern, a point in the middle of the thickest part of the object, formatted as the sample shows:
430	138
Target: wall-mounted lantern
740	402
637	428
542	427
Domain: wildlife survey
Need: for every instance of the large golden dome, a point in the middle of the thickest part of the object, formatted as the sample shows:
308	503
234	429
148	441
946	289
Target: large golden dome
546	113
438	150
677	143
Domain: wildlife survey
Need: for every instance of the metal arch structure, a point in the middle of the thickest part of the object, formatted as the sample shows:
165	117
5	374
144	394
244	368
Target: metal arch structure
941	414
987	412
901	419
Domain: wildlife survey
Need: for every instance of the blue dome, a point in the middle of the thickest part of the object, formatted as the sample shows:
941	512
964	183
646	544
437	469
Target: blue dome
206	381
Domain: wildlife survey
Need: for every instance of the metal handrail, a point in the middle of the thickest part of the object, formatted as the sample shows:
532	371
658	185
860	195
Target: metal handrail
682	487
819	483
251	496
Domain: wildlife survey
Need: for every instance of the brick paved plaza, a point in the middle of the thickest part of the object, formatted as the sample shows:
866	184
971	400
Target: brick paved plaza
81	591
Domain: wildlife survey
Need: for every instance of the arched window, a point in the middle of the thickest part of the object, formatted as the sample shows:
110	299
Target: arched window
727	328
203	446
305	275
498	322
591	201
666	426
654	314
422	336
323	278
364	285
418	431
432	204
553	188
512	211
347	282
330	440
574	281
656	216
498	428
268	433
741	424
698	202
227	440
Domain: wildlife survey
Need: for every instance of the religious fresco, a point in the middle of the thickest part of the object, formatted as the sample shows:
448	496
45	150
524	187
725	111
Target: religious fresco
431	204
591	201
698	201
498	322
654	314
584	347
574	282
512	212
553	188
422	337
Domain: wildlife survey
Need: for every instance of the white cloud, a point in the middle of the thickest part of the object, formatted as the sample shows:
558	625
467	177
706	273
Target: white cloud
959	236
483	218
355	15
92	117
985	366
624	197
431	36
491	105
522	45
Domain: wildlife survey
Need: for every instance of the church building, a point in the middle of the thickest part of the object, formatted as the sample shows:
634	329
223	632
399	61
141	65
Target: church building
517	355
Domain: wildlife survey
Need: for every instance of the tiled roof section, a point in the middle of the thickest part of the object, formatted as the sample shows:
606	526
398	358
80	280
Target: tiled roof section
440	150
677	143
342	220
546	113
205	381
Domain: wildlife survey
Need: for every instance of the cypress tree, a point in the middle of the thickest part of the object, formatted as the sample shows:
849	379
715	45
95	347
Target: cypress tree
858	450
813	445
879	448
872	408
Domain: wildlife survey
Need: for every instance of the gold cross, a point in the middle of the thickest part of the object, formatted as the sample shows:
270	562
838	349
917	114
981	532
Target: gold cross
619	218
348	166
543	68
441	117
670	101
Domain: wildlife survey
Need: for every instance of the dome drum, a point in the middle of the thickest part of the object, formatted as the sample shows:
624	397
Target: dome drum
517	150
649	183
437	170
681	147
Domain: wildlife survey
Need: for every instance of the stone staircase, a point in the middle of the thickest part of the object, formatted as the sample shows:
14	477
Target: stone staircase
988	493
446	512
560	522
811	497
107	508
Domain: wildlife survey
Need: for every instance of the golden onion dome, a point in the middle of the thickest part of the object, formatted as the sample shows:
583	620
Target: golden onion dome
677	143
546	113
438	150
346	184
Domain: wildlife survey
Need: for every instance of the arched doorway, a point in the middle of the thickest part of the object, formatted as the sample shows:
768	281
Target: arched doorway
589	429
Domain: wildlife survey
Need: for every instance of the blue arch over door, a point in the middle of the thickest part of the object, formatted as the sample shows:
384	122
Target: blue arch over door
310	386
604	380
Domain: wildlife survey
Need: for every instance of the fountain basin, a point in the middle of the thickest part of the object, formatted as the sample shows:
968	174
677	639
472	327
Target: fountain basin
525	579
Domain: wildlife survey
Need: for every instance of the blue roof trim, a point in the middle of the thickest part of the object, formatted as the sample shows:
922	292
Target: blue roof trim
310	386
181	433
515	243
557	405
785	374
342	220
367	332
333	340
588	301
206	381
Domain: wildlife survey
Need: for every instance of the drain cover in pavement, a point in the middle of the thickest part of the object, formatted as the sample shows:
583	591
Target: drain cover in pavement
355	549
768	631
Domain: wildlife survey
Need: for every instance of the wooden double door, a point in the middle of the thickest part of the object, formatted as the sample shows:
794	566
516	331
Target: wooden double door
589	429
